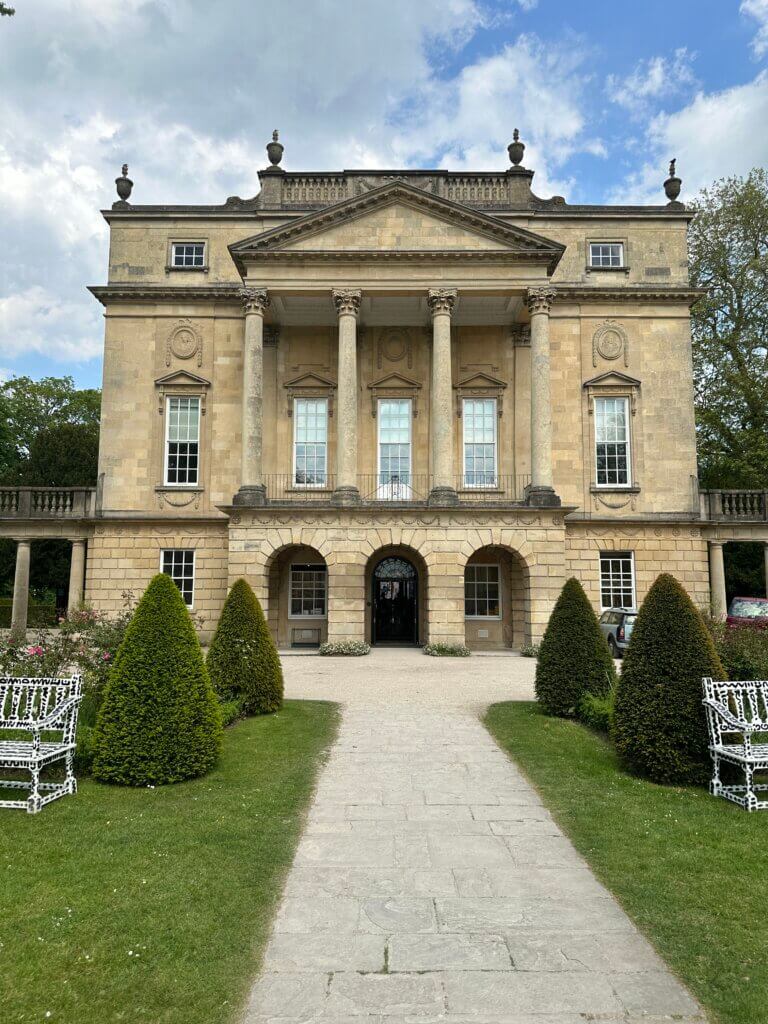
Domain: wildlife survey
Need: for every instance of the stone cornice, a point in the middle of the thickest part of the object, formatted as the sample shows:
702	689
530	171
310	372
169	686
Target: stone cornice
164	293
631	293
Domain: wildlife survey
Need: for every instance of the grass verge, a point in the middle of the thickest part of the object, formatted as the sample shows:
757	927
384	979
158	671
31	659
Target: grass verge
688	869
153	906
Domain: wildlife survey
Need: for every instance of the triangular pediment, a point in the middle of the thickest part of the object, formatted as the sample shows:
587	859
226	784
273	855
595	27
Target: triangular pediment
398	218
310	380
481	380
394	380
612	379
182	377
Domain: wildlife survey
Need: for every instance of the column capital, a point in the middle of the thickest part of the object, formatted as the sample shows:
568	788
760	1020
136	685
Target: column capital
255	300
441	300
347	301
539	300
717	543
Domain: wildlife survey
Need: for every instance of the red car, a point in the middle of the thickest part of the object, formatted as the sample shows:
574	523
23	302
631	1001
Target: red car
748	611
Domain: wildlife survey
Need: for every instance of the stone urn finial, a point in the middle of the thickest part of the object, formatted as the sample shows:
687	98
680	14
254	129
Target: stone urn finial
275	150
516	149
673	183
124	185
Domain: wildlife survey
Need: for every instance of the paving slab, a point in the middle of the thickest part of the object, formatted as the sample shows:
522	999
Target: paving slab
431	884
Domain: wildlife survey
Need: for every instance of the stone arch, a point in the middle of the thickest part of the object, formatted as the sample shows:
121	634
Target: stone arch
497	607
411	554
296	606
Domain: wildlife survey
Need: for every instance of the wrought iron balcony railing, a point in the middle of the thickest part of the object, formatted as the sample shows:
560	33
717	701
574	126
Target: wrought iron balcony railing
742	506
47	502
398	489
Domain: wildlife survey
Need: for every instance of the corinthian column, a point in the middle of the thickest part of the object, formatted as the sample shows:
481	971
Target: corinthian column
541	491
441	302
347	302
252	490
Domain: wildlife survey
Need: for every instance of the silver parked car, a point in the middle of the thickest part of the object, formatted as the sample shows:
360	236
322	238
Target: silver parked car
616	625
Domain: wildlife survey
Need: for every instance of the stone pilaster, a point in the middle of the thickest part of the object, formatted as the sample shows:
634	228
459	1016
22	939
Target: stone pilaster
76	576
347	302
717	579
541	491
443	492
21	591
252	490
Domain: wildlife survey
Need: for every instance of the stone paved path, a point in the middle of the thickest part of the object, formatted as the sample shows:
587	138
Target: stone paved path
431	884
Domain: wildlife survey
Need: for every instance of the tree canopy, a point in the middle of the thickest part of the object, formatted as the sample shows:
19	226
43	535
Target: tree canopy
728	252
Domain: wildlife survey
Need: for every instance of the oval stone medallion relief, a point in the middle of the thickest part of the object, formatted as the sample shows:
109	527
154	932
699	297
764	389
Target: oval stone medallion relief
184	342
610	342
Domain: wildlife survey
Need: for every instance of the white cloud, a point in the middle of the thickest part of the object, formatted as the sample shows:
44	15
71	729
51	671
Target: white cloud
717	134
651	80
758	9
36	320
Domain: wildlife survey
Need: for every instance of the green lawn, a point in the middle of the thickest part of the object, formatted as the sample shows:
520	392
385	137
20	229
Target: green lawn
689	869
152	906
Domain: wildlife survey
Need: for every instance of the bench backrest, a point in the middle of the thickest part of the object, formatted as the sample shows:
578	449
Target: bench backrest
746	700
24	702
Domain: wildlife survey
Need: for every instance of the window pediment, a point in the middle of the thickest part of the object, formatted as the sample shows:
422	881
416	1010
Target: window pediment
394	385
480	385
310	385
608	385
612	379
181	382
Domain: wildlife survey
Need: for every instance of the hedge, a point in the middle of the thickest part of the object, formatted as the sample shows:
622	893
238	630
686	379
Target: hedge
159	721
574	658
243	662
659	723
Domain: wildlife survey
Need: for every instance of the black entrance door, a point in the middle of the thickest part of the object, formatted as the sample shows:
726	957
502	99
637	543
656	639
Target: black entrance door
395	602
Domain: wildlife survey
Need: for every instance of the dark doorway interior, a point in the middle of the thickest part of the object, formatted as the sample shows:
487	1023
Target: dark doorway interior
395	602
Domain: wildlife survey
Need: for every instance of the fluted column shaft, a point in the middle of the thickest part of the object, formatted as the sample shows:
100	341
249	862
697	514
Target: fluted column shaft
541	490
717	594
76	576
441	302
21	590
347	302
252	490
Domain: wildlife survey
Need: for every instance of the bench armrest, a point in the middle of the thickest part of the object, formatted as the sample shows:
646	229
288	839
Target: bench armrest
737	724
50	720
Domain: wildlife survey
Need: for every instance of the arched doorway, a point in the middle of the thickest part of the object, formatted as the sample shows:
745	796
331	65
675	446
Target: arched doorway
395	601
496	599
298	597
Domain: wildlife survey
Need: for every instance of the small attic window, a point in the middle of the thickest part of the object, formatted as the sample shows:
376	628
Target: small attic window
606	255
188	255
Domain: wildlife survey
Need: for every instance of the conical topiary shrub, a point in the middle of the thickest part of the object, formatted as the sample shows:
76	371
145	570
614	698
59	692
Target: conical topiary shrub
243	662
573	658
659	723
159	721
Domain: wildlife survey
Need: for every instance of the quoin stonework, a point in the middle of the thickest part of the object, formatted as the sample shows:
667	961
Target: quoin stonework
405	405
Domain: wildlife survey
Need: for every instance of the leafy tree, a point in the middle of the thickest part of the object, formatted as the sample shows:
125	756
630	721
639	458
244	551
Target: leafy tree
242	660
63	456
159	721
5	9
573	658
728	255
659	724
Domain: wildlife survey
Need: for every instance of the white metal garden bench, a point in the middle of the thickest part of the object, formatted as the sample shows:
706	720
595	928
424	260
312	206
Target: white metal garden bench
738	710
38	706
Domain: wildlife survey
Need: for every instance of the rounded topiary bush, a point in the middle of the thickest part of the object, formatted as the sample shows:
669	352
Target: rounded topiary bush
159	720
659	724
243	662
573	657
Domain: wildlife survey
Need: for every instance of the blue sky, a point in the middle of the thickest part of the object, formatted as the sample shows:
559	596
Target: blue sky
187	92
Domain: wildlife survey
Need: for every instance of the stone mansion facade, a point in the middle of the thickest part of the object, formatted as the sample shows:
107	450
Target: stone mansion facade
404	405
